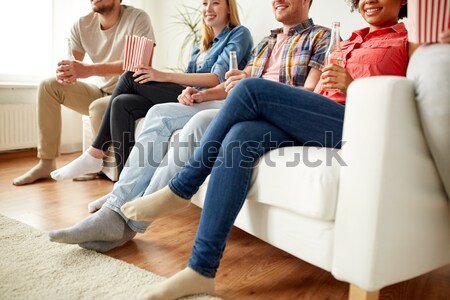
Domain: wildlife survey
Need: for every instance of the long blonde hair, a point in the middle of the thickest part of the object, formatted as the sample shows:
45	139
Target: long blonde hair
208	33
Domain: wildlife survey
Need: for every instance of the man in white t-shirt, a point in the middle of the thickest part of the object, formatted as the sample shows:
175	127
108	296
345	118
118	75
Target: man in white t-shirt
101	35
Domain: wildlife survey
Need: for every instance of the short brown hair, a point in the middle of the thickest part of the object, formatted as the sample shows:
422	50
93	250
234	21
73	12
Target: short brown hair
354	4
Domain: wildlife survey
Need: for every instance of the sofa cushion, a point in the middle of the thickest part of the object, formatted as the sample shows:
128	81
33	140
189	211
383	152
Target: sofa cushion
303	180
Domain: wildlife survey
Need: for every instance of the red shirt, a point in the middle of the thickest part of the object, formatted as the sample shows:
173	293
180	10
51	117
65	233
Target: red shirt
381	52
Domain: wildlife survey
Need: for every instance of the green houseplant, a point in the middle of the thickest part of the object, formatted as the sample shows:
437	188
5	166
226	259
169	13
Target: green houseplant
188	20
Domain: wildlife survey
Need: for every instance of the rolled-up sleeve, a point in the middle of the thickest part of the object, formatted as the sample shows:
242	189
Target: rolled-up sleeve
239	40
321	43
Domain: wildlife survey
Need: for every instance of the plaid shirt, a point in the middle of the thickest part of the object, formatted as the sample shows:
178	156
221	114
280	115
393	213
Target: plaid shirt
305	48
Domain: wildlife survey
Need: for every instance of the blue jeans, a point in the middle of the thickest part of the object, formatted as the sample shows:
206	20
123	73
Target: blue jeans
257	116
182	148
149	166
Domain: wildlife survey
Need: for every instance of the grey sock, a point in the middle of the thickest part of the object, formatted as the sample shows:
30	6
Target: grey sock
105	225
101	246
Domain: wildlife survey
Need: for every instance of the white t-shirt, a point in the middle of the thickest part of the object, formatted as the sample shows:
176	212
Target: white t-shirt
201	59
104	46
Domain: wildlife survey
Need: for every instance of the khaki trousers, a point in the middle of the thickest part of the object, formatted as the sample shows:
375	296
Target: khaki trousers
84	98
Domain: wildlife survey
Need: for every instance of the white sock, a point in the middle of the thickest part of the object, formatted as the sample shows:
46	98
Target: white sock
97	204
184	283
84	164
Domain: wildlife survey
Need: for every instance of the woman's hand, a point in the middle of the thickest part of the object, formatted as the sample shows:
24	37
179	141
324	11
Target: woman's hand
232	78
146	74
444	37
190	96
335	77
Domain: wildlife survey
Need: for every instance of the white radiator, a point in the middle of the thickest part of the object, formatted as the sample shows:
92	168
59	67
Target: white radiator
18	126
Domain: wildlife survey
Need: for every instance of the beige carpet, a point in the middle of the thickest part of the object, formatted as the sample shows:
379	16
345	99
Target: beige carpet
32	267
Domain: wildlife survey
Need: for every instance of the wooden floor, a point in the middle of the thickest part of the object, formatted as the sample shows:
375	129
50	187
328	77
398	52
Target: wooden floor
250	269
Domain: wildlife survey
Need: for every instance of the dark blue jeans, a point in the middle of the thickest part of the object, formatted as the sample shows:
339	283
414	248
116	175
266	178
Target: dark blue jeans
257	116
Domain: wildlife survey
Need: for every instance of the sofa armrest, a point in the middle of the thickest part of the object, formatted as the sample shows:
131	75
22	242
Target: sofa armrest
392	219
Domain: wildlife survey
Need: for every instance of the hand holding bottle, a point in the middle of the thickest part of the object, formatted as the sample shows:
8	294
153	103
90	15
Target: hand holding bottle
234	75
335	77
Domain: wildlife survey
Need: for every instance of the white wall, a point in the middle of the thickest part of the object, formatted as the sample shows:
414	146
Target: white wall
10	93
257	15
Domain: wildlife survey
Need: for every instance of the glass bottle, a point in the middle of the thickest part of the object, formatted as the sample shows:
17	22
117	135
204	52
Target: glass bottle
69	57
233	60
334	53
69	53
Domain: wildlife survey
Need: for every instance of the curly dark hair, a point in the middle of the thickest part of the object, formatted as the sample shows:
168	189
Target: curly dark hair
403	13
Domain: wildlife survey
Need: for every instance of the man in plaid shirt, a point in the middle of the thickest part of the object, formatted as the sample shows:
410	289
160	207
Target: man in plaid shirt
293	54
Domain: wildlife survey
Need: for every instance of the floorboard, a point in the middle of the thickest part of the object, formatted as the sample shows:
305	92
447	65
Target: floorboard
250	269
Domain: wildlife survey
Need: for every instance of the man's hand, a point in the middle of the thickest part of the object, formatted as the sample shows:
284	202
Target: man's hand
335	77
68	71
65	74
190	96
232	78
146	74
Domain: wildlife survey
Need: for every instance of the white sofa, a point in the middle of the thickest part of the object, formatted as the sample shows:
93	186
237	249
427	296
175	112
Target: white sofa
376	218
381	219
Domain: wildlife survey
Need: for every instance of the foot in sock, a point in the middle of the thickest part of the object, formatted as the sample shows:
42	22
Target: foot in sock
40	171
84	164
184	283
105	225
101	246
97	204
156	205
